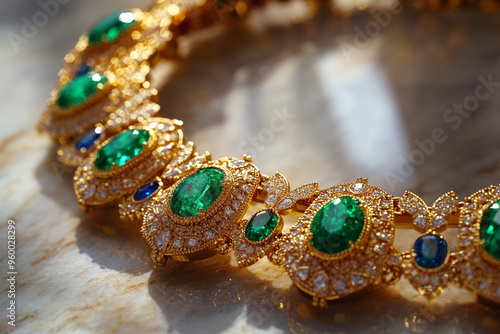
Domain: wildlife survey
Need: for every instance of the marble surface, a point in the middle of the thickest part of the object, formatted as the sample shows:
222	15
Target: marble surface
313	100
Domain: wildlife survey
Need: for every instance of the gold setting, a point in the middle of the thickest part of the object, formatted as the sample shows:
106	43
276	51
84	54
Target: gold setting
93	187
331	277
169	235
128	101
479	272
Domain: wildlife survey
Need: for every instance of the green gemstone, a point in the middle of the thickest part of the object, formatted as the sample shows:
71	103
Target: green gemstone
338	222
80	89
197	191
121	149
111	27
261	226
490	230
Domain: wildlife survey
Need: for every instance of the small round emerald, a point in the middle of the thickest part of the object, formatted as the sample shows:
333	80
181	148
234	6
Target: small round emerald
80	89
490	230
197	192
121	149
110	28
261	226
336	224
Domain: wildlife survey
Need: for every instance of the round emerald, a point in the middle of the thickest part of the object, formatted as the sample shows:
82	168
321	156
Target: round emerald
490	230
111	27
197	192
336	224
261	226
80	90
121	149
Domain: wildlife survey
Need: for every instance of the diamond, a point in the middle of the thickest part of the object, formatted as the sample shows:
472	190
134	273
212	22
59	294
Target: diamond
357	187
271	200
303	273
320	281
438	221
162	240
192	242
89	192
285	204
177	243
209	235
340	285
357	279
421	222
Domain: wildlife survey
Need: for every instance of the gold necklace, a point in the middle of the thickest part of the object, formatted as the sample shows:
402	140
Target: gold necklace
103	113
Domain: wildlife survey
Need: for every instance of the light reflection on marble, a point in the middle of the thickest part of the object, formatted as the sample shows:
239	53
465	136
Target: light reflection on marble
83	273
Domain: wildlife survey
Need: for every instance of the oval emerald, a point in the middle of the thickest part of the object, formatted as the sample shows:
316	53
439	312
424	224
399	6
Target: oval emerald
121	149
336	224
80	89
111	27
261	226
197	192
490	230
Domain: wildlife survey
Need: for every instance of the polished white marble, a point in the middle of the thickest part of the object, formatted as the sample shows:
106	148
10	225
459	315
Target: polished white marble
335	118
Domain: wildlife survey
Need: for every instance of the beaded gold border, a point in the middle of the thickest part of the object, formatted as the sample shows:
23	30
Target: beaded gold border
169	236
91	189
479	272
327	278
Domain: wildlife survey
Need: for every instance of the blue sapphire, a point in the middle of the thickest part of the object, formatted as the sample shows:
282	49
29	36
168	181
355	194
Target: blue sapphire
146	190
431	251
87	140
84	69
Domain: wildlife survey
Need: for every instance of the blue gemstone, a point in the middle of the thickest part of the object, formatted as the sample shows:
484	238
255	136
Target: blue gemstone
82	70
146	190
431	251
87	140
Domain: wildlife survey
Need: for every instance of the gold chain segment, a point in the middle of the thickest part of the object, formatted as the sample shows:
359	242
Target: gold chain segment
103	112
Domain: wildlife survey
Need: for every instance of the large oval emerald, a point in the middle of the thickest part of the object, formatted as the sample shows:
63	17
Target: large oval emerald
197	192
490	230
121	149
110	28
80	90
336	224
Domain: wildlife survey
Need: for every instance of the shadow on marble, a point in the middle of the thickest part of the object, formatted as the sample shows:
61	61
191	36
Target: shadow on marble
100	234
212	291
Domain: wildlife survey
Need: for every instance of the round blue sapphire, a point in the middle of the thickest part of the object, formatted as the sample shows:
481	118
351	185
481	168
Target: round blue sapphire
146	190
88	139
430	251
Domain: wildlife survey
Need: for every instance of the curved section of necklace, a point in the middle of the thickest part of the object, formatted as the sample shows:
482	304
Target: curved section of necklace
103	112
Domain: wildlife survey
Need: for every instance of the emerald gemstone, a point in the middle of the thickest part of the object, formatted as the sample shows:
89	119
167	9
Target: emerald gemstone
261	226
111	27
197	191
490	230
338	222
121	149
80	89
